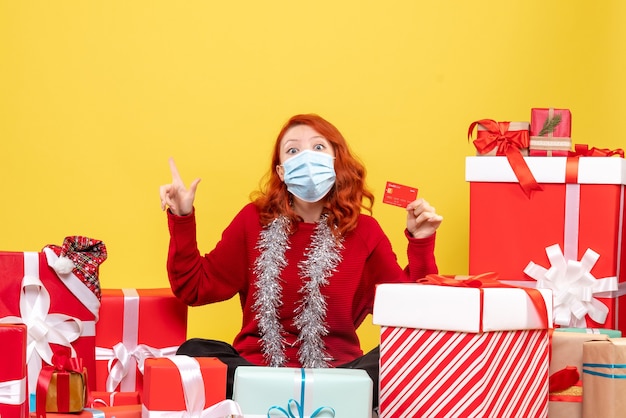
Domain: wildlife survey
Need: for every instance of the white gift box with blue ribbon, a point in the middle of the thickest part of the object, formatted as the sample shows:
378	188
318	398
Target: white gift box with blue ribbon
288	392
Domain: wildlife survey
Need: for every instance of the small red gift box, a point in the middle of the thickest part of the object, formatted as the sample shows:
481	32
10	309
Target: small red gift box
550	132
130	330
59	305
201	391
568	236
463	351
13	392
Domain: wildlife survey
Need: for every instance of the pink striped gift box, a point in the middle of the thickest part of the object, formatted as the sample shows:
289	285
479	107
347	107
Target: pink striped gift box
462	352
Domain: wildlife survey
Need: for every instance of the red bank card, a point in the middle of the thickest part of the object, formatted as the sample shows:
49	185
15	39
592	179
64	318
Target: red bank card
399	195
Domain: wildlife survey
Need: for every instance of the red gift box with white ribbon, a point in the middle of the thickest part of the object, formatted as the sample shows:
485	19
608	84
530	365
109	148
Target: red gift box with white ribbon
135	324
13	392
567	237
58	309
183	386
463	350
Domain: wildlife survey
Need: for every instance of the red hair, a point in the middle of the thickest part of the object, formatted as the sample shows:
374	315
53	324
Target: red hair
343	203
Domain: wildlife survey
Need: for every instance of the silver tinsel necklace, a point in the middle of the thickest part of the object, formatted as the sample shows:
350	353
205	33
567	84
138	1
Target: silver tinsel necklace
321	258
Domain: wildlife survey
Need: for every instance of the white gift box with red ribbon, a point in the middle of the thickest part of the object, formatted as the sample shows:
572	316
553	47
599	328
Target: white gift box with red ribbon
461	351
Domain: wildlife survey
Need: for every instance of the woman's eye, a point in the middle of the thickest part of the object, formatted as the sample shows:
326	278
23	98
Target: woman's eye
292	151
319	147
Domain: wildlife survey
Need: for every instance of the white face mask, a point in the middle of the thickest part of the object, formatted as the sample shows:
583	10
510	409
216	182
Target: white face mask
310	175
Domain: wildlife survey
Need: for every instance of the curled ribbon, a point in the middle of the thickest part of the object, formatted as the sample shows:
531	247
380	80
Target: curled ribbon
508	143
489	280
583	150
573	287
44	328
292	404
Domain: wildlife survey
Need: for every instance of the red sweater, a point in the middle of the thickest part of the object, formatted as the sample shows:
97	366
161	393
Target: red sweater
367	260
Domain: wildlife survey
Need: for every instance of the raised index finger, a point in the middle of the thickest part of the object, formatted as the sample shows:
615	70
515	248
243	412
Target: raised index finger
174	170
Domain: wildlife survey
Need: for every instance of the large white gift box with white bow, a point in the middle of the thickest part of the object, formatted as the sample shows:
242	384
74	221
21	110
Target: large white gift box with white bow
567	237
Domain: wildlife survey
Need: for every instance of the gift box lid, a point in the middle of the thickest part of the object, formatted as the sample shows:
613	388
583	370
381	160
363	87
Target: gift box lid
591	170
445	308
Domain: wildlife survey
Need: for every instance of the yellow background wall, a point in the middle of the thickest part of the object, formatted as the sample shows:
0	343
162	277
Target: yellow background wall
96	95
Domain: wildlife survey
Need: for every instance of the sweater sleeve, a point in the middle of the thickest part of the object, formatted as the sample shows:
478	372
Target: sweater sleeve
201	279
421	256
382	265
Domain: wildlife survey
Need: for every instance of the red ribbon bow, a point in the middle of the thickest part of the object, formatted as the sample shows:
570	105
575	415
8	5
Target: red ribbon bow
62	364
62	360
488	280
583	150
509	144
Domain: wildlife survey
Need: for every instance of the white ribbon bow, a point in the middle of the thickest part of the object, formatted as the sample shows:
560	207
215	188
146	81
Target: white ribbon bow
122	362
44	328
127	356
193	389
573	287
13	392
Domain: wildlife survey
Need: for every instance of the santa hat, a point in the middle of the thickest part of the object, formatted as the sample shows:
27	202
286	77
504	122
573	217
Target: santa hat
81	256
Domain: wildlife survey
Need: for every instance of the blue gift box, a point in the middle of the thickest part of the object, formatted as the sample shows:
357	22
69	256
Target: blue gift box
302	393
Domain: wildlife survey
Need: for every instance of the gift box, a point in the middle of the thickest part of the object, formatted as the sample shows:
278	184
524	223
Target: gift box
99	399
287	391
509	139
567	237
496	138
130	330
13	391
604	378
612	333
567	351
61	305
460	350
62	386
186	386
122	411
550	132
